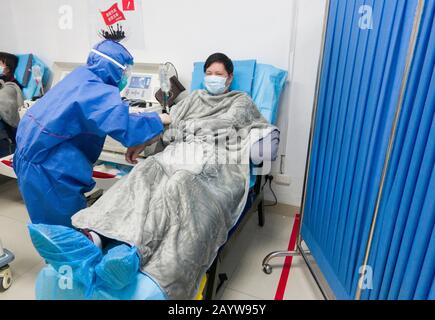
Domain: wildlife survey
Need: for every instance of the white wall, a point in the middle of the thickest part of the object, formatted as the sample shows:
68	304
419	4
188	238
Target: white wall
178	31
189	30
309	27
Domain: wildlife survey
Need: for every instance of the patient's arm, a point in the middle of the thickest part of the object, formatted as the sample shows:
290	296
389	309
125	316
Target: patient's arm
265	149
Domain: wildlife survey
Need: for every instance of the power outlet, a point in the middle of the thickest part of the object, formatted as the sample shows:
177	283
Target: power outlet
282	179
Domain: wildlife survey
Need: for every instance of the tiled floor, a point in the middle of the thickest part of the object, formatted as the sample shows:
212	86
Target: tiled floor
241	259
243	262
14	236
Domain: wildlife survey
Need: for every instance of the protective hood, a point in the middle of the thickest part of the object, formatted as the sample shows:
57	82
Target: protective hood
107	70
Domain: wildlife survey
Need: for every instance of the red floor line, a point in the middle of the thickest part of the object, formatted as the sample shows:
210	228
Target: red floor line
288	261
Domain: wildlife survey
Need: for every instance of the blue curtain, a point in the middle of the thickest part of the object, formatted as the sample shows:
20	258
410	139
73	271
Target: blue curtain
403	252
359	91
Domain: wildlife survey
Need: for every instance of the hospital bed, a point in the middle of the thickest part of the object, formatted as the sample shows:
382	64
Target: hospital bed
264	84
32	74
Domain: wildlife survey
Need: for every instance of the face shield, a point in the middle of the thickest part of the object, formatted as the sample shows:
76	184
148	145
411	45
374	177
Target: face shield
126	69
126	74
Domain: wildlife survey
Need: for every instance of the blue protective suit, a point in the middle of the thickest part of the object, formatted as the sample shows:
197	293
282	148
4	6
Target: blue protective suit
62	135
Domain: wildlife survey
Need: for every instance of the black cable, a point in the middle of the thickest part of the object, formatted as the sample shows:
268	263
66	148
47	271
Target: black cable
270	178
267	178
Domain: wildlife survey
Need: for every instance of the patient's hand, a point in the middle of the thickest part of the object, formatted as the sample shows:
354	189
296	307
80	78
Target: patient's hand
166	118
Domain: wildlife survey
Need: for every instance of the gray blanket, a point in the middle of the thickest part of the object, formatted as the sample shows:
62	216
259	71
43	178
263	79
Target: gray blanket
11	98
178	206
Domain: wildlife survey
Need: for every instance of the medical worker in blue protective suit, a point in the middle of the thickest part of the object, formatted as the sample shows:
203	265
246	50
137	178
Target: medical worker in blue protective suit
62	135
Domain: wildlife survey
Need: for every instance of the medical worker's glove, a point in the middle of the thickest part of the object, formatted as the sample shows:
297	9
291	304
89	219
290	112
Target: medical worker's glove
68	251
118	268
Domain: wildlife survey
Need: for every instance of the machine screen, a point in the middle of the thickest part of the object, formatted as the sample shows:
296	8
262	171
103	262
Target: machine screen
140	86
140	82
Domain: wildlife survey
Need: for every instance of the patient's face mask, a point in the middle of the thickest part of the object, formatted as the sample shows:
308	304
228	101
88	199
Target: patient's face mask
215	84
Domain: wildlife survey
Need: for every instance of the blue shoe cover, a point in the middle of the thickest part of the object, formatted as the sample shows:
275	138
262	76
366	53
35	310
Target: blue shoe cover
118	268
64	247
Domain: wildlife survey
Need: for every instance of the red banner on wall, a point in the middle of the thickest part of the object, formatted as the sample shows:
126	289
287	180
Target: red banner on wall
128	5
100	18
112	15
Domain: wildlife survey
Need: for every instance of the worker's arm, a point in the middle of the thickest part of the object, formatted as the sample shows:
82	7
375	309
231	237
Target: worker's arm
130	129
133	152
139	128
105	112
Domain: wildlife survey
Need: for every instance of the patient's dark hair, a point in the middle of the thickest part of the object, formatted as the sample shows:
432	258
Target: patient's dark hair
222	58
11	61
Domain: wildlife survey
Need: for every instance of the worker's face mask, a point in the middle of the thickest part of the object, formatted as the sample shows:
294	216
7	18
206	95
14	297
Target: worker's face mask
124	80
2	70
215	84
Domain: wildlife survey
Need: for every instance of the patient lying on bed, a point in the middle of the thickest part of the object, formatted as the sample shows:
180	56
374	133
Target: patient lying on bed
175	208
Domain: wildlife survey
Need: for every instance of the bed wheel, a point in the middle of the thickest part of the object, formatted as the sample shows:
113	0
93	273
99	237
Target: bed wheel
267	269
5	278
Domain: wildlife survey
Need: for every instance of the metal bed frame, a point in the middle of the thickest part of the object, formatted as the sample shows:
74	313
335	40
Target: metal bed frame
300	250
215	280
